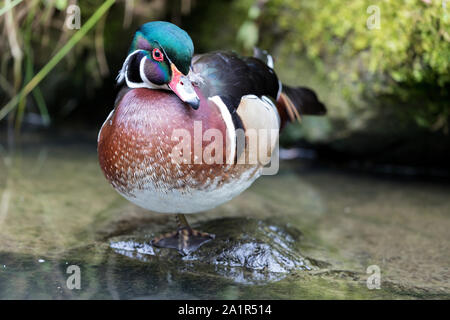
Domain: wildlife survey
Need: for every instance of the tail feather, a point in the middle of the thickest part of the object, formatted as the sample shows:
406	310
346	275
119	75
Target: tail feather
293	103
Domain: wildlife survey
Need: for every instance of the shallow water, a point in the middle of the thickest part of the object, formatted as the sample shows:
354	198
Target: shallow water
308	232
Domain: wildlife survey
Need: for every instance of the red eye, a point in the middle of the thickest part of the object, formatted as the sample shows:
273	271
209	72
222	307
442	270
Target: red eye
157	55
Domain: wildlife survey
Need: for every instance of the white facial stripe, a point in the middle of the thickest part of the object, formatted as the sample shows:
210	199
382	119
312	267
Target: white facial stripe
147	83
123	71
141	71
123	74
231	130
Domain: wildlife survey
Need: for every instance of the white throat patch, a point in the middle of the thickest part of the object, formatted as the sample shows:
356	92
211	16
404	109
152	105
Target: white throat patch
123	75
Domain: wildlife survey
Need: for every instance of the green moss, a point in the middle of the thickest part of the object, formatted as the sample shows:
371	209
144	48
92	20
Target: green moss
407	58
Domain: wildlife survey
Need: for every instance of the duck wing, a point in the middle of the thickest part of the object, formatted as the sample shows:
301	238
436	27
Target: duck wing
231	77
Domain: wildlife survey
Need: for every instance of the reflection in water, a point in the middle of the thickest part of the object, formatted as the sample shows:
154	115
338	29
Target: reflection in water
132	249
56	207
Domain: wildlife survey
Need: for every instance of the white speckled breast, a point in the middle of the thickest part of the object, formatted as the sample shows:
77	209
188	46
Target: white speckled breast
134	150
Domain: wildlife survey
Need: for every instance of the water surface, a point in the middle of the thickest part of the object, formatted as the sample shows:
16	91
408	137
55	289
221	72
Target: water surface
308	232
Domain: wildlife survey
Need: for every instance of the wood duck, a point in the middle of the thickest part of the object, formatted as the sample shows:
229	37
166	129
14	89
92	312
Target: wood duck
172	104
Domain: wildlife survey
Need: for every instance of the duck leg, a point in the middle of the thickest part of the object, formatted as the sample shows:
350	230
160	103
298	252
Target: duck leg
185	239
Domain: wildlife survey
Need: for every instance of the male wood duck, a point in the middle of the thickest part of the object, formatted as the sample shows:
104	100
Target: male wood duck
168	94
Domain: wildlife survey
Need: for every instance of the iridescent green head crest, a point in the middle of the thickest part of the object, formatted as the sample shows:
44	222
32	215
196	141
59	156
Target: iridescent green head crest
160	58
175	42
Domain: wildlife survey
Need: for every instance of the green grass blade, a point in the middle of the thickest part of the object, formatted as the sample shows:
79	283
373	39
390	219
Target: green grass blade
42	106
28	75
56	58
11	5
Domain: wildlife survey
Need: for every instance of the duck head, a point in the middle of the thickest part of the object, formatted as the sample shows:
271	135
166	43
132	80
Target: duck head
160	58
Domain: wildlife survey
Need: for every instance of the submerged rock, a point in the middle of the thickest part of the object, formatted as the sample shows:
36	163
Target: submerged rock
245	250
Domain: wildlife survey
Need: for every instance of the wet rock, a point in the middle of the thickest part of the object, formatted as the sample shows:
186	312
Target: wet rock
245	250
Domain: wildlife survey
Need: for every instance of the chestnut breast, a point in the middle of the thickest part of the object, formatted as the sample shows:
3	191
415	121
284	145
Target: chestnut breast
137	140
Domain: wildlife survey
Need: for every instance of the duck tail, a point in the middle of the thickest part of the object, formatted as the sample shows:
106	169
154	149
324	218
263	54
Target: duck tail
293	103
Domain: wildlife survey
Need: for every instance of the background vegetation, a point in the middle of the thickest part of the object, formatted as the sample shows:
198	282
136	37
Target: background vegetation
387	89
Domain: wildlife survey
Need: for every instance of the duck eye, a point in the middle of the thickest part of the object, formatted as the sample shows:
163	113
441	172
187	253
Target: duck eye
157	55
